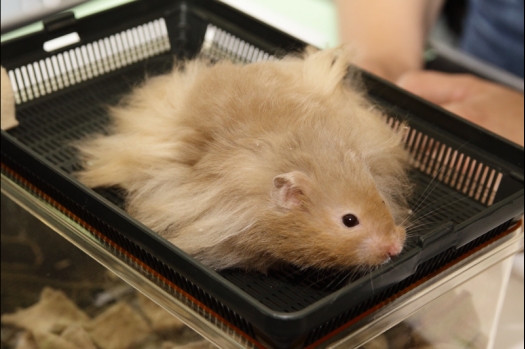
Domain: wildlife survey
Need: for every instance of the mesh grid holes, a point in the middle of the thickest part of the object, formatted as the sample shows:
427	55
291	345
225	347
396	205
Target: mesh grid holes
88	61
219	44
436	203
452	167
52	124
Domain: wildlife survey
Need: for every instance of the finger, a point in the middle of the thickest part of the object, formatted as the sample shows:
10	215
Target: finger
461	109
438	88
512	129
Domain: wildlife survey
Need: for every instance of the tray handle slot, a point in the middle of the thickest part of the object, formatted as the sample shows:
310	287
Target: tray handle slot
88	61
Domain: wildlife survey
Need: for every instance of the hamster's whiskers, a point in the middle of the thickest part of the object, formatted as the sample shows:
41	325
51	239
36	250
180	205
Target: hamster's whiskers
433	212
422	198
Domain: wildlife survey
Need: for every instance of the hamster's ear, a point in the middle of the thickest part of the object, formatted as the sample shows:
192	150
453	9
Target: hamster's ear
290	189
327	69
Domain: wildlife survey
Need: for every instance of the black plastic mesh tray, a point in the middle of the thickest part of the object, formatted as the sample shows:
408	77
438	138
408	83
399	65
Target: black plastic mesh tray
472	181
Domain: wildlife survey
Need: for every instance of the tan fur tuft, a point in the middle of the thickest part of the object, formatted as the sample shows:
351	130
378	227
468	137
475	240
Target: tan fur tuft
325	70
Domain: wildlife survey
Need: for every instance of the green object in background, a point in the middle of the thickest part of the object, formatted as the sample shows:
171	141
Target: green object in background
317	17
82	10
314	21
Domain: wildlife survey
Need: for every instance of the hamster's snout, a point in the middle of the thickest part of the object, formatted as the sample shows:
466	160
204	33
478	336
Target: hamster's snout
394	249
396	246
389	250
384	247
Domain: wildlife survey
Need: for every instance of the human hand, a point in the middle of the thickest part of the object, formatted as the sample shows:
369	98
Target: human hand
487	104
391	70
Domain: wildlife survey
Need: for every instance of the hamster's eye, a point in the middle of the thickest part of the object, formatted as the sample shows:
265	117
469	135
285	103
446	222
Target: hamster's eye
350	220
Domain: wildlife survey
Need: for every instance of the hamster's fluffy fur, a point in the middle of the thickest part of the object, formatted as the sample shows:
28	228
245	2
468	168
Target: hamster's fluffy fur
251	165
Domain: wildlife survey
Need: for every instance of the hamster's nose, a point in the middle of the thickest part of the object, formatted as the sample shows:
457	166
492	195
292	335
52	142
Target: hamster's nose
394	250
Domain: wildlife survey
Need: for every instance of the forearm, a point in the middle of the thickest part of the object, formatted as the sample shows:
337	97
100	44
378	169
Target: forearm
388	35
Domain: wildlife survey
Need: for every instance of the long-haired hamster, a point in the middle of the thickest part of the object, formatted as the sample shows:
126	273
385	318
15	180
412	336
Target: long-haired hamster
254	165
